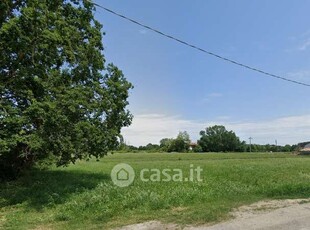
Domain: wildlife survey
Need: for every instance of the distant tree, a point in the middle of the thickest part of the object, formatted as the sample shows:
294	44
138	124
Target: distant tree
185	137
242	147
57	95
149	147
218	139
177	145
124	147
165	143
180	144
197	149
152	147
286	148
257	148
294	148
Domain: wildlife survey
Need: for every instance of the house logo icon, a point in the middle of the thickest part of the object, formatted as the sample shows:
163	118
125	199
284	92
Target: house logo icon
122	175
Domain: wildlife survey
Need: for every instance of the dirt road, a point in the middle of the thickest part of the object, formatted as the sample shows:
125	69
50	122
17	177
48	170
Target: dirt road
265	215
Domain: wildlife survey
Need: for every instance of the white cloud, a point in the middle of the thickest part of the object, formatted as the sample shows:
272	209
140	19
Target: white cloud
142	31
300	42
305	45
215	95
211	96
151	128
220	118
300	75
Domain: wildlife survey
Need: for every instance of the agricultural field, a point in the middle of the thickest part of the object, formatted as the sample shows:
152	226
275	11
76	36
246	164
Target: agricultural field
83	196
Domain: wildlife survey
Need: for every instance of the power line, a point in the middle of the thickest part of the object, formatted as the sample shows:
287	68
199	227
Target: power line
200	49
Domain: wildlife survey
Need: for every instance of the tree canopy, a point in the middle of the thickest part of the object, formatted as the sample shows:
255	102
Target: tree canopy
179	144
58	96
218	139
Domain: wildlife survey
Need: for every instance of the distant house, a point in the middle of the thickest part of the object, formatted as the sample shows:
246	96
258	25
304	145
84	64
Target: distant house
305	150
192	146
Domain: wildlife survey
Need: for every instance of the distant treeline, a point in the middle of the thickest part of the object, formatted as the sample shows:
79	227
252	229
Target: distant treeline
212	139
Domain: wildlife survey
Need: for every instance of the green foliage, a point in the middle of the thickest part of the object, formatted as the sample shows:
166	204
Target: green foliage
197	149
57	95
179	144
268	148
165	143
150	148
218	139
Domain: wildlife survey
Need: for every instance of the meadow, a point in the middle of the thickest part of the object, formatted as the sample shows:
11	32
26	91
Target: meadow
82	196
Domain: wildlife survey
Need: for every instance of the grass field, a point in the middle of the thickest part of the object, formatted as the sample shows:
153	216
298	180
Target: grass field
82	196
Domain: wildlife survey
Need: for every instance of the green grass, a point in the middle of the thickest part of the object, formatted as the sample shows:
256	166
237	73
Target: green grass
82	196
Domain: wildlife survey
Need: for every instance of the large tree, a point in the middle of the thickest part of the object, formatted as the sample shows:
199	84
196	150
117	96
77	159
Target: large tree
218	139
57	94
179	144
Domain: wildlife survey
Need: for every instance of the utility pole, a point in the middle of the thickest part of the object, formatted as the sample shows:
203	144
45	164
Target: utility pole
250	144
276	146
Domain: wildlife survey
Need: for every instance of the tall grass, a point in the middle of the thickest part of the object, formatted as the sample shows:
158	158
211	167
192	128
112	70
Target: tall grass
83	196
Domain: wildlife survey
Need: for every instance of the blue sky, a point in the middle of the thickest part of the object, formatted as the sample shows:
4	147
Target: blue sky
178	88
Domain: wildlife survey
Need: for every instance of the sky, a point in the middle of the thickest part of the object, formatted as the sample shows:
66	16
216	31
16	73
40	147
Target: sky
177	88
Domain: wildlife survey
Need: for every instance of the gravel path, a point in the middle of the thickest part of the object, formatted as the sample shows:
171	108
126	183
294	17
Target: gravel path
264	215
